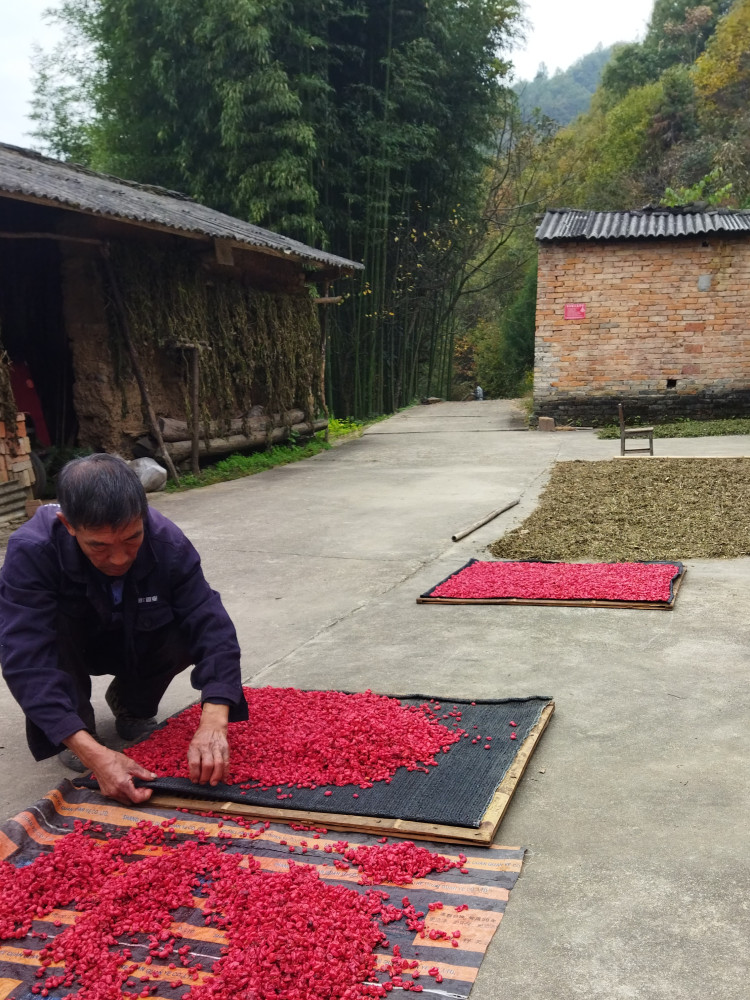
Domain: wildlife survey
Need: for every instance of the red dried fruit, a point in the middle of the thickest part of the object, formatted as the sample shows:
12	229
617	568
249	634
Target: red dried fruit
310	738
625	581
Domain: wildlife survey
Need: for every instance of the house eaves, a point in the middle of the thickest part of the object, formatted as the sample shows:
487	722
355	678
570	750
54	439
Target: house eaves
27	174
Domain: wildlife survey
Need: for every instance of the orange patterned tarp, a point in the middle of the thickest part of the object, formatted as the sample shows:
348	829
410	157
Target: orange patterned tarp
484	890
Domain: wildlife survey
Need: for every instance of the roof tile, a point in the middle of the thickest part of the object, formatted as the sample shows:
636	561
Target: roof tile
25	172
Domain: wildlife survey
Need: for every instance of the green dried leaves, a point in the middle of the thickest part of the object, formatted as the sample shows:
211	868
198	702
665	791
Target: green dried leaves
656	508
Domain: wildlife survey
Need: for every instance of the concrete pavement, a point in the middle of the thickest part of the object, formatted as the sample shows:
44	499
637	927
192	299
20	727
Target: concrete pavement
635	806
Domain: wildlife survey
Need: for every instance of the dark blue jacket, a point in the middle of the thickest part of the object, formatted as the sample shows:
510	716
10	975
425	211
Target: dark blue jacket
46	575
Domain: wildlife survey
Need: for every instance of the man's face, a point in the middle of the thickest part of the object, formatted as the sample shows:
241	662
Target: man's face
111	550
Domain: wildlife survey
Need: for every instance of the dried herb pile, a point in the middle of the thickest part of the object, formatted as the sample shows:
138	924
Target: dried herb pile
656	508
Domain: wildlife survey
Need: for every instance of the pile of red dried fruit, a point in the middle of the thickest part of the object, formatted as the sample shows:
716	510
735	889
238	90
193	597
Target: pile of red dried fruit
286	934
561	581
305	739
400	862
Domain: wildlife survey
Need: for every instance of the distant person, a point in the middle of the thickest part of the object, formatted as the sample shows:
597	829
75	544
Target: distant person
103	584
479	393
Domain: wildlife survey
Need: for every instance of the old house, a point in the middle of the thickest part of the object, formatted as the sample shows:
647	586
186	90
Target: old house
122	305
650	308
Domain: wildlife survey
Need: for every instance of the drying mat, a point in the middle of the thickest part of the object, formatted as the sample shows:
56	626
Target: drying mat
639	585
492	873
461	800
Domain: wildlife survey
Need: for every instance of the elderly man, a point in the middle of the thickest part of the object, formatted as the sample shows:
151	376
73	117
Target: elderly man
103	584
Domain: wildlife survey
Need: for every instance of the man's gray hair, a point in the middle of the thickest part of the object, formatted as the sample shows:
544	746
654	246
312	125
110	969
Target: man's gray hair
100	491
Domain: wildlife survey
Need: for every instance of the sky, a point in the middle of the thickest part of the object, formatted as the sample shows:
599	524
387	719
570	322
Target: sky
559	33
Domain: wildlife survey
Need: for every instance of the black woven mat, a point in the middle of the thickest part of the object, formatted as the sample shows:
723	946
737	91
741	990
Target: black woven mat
454	793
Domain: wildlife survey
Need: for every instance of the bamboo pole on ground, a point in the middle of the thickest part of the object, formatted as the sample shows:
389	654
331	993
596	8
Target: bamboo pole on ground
485	520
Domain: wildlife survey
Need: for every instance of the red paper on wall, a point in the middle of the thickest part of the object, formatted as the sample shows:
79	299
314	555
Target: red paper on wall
575	310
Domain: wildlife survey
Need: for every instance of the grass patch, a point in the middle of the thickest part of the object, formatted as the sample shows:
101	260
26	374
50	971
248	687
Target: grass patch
349	427
686	428
663	508
239	466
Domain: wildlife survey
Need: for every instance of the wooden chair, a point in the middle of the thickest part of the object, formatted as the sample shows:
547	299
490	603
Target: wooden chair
634	432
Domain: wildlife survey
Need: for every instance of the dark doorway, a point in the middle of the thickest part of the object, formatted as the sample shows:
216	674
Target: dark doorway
32	333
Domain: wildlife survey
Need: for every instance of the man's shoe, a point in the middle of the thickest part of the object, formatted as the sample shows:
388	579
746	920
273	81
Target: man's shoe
74	763
129	727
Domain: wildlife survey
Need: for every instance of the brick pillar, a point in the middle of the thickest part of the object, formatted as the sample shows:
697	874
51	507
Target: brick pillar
15	453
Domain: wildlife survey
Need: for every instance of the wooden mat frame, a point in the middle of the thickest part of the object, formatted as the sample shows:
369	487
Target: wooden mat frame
482	836
635	605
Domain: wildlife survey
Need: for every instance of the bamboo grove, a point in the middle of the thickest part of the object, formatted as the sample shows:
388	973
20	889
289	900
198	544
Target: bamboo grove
368	127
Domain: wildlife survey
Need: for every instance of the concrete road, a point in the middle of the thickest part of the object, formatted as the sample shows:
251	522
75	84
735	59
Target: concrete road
635	807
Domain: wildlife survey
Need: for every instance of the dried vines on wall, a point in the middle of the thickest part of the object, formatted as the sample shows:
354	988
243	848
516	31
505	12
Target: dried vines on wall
8	408
263	347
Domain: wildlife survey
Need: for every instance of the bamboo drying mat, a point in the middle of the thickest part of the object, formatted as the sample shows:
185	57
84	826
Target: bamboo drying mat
485	889
428	598
462	800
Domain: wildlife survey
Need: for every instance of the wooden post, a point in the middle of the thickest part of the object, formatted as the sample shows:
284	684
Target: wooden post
323	336
195	407
137	370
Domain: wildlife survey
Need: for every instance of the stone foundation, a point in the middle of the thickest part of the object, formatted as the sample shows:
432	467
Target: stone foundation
648	408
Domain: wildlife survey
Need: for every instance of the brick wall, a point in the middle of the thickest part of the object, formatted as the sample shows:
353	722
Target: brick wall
666	331
15	453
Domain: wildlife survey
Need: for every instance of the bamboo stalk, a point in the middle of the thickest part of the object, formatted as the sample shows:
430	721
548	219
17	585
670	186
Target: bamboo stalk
485	520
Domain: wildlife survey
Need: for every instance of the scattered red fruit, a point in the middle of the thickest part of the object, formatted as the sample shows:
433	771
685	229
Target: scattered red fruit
287	933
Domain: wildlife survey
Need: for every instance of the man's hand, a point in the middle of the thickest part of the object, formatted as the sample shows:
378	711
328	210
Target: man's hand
114	771
208	753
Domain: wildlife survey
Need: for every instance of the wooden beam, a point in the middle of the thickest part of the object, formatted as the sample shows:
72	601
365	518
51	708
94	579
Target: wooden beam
223	253
50	236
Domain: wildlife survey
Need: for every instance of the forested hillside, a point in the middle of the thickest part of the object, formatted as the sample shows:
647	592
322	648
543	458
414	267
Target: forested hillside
567	93
373	129
386	131
669	122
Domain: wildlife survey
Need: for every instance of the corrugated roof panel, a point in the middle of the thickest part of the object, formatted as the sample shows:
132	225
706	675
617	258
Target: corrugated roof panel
647	223
24	172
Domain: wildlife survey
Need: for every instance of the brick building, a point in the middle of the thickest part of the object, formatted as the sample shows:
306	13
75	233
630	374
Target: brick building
649	308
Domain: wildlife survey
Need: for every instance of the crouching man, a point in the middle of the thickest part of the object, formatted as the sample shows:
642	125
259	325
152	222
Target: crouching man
103	584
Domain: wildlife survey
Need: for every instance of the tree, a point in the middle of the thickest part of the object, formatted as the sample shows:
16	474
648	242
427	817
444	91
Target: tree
722	73
505	362
355	124
190	95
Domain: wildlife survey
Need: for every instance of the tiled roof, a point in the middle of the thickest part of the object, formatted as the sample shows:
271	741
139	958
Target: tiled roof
576	224
24	172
